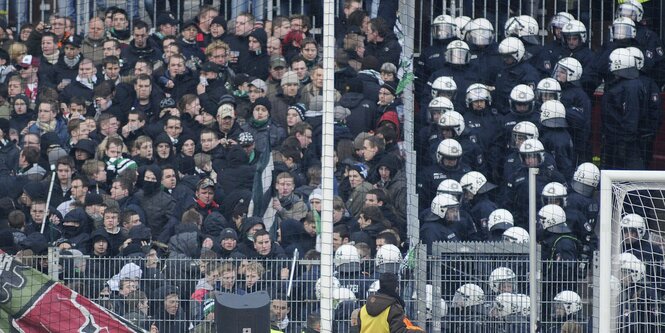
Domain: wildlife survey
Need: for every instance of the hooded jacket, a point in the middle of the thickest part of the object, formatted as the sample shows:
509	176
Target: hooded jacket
295	237
257	63
8	158
158	205
238	174
382	314
131	54
395	187
362	114
245	244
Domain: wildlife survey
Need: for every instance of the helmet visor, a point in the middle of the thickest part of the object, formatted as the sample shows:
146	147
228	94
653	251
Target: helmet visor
547	95
628	11
449	94
457	56
517	139
560	73
443	31
623	31
452	214
479	37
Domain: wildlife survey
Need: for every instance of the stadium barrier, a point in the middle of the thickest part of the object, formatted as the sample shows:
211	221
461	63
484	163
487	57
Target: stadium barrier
114	283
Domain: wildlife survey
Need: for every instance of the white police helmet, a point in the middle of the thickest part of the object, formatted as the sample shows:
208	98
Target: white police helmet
506	304
468	295
623	64
516	235
476	183
548	89
443	27
441	203
479	32
461	23
559	20
553	114
586	178
450	149
450	186
632	266
575	28
374	287
440	104
623	28
317	286
571	67
522	94
632	9
452	120
570	301
553	193
347	258
532	148
524	26
501	275
342	295
477	92
458	53
553	219
638	55
388	259
500	219
635	222
522	131
512	47
444	86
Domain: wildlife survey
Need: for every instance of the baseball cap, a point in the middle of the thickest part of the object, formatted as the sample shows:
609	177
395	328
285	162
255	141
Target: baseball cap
205	183
228	233
258	83
226	110
341	113
166	18
29	60
74	40
167	103
277	61
190	23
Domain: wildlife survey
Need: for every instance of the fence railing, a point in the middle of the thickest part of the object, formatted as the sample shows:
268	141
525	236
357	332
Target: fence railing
137	288
597	15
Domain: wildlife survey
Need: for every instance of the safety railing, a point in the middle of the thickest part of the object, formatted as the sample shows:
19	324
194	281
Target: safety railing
481	286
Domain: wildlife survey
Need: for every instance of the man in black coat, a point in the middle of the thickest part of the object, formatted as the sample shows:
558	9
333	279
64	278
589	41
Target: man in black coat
139	48
382	43
178	80
83	84
68	64
8	151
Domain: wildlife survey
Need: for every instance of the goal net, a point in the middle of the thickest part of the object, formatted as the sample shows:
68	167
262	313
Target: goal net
632	231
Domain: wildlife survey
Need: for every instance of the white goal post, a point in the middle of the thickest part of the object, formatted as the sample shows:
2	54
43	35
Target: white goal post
614	187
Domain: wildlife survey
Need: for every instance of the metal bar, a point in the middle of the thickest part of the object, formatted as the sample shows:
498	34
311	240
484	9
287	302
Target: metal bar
533	263
602	21
589	26
605	248
436	287
327	167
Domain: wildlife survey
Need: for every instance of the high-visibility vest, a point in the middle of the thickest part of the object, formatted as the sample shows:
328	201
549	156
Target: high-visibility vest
378	324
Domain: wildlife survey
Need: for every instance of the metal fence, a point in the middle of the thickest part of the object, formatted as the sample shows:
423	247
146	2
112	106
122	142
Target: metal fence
597	15
138	288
